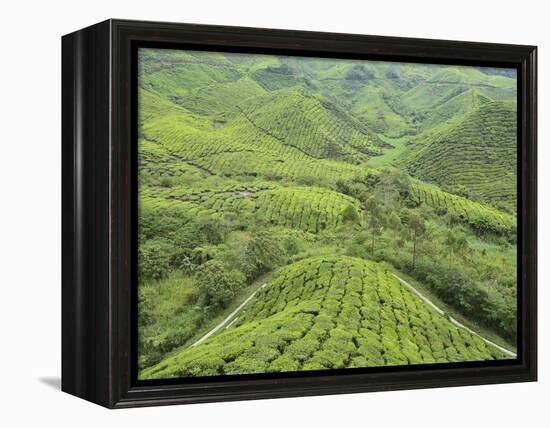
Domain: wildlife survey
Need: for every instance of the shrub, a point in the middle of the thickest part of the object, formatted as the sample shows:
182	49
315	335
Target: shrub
246	365
166	182
295	325
291	245
283	364
350	215
155	256
262	253
302	349
211	229
217	285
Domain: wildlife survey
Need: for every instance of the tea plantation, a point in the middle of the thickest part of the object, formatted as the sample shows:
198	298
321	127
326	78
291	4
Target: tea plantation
322	178
480	217
329	312
472	156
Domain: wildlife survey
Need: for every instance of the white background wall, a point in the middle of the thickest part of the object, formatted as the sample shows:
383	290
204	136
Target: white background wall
30	212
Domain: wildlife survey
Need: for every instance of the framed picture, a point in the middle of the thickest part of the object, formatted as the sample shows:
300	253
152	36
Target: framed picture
253	213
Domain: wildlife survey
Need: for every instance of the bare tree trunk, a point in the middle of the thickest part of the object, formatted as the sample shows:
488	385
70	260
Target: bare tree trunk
414	249
372	244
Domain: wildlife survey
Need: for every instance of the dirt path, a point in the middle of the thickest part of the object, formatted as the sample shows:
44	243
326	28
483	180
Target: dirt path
229	317
455	322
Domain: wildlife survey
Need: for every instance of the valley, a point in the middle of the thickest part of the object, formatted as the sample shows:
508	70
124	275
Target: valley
322	179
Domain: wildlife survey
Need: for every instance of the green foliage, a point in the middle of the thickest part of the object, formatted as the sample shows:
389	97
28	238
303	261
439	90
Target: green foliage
217	285
359	72
358	186
316	127
475	157
154	259
328	312
482	218
212	229
167	316
350	215
311	209
456	289
276	169
374	213
263	252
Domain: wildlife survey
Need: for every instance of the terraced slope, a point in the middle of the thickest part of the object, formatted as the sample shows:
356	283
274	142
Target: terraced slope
220	97
399	99
477	154
456	106
451	81
275	76
256	163
232	144
316	127
373	106
306	208
480	217
243	154
328	312
177	78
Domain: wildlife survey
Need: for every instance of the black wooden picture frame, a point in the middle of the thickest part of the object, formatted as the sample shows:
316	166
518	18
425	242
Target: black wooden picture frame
99	213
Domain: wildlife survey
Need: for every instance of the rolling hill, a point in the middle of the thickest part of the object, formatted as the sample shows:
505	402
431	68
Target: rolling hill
315	126
474	157
328	312
306	208
242	153
480	217
450	109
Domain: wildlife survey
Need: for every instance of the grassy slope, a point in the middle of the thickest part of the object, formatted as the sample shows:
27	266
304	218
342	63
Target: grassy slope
241	143
455	107
328	312
396	147
452	81
397	100
477	215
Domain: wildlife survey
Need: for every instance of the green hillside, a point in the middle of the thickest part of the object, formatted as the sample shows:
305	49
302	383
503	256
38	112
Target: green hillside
218	98
475	157
319	177
449	82
306	208
328	312
480	217
455	107
405	99
312	125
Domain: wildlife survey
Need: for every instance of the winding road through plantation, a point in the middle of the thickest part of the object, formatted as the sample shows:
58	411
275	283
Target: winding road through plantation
229	317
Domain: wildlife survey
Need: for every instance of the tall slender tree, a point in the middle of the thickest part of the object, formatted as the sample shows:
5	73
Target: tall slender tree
417	229
373	214
456	243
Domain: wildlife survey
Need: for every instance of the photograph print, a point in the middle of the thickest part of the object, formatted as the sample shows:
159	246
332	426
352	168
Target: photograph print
300	214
